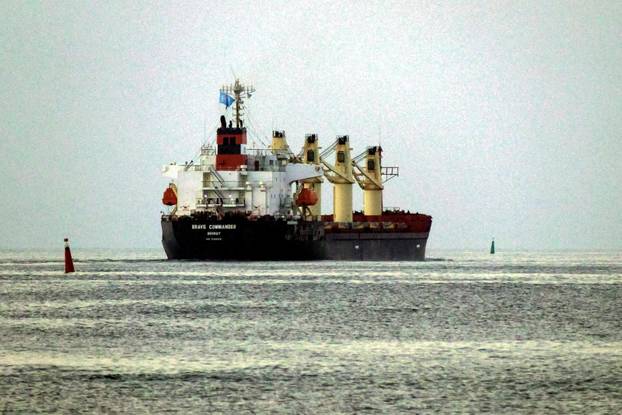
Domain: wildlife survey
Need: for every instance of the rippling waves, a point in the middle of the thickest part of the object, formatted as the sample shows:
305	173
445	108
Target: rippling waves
465	332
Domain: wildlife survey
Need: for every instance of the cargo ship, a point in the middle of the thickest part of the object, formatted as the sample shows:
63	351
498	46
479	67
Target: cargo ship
243	203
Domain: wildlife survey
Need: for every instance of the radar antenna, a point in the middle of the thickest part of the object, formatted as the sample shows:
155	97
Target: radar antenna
240	92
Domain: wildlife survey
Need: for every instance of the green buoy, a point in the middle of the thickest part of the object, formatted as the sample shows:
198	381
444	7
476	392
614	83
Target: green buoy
492	246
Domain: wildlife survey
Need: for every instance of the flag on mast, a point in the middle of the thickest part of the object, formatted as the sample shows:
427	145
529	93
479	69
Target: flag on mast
226	99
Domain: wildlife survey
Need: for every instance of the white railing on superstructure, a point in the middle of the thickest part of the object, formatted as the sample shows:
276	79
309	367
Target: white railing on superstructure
207	150
259	152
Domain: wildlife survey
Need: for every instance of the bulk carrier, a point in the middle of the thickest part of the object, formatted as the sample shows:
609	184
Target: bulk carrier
239	203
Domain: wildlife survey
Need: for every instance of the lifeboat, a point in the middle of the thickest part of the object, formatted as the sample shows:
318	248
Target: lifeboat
169	198
306	197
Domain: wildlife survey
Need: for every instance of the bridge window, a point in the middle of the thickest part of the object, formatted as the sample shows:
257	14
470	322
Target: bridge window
310	155
226	148
371	165
341	157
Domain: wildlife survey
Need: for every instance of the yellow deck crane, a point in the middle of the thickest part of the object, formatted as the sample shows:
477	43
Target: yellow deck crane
371	178
311	155
280	148
279	144
340	175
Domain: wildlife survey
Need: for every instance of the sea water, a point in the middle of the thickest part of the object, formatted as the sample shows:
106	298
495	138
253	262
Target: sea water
464	332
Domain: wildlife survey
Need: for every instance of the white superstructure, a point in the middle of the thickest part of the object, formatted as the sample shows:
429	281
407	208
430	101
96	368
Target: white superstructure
262	186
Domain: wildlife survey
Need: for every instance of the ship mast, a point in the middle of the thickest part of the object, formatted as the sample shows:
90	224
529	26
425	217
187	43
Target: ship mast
240	92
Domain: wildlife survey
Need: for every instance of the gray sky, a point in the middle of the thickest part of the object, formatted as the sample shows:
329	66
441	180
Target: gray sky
504	117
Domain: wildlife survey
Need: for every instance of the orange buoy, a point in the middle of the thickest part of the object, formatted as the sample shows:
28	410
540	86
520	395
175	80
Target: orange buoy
306	197
68	260
169	198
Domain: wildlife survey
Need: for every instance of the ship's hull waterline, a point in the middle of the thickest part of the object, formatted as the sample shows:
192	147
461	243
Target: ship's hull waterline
269	240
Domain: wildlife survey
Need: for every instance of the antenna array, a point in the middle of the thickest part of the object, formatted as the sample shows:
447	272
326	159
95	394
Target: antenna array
240	92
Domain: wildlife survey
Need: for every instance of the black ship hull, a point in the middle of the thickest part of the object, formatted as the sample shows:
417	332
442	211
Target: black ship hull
188	238
240	239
